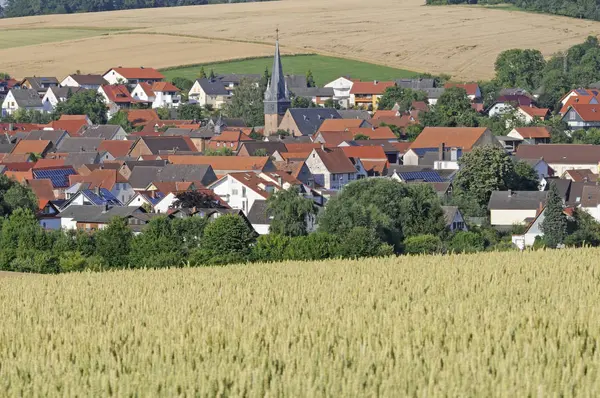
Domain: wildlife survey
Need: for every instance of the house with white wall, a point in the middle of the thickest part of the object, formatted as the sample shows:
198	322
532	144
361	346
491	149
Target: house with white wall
132	76
508	208
21	98
55	95
332	169
90	82
341	90
563	157
210	92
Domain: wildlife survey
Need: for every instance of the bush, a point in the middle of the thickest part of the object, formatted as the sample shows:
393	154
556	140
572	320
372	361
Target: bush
72	261
466	242
361	242
37	261
269	248
316	246
423	244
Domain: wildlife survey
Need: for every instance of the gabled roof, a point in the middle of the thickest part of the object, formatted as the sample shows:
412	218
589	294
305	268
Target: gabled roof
460	137
534	111
27	98
203	173
258	213
588	112
590	196
224	163
355	114
77	159
517	200
164	87
99	178
533	132
268	147
375	87
341	124
118	93
213	87
585	99
336	161
139	73
385	114
103	131
581	175
79	144
43	190
70	125
309	120
147	88
64	92
173	143
89	80
521	100
301	146
32	146
450	213
421	176
380	133
364	152
141	176
139	117
470	88
59	176
561	153
117	148
416	84
231	136
334	138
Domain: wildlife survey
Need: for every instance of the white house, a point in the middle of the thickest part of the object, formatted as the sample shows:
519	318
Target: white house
332	170
533	231
54	95
590	200
508	208
143	92
563	157
241	190
21	98
116	97
531	135
341	90
454	219
166	95
132	76
209	92
90	82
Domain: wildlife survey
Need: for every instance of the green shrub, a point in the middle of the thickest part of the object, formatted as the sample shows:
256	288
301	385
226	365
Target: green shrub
422	244
466	242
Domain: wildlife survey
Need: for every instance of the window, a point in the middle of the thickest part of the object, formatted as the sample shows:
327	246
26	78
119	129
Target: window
333	177
349	176
234	192
243	192
244	207
572	115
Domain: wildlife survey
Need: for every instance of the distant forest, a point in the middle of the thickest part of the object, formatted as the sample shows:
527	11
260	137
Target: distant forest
23	8
585	9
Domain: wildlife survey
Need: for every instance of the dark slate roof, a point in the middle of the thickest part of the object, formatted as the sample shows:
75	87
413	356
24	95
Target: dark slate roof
6	148
157	144
233	122
53	136
424	176
309	120
310	92
269	147
141	176
105	131
213	87
37	83
97	214
63	92
354	114
183	172
79	144
131	164
89	80
258	213
27	98
449	213
434	92
178	132
77	159
295	81
517	200
416	84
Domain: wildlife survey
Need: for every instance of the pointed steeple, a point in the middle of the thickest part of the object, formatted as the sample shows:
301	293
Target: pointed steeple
277	88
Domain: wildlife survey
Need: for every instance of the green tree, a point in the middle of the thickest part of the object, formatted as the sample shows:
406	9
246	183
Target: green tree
226	240
362	242
310	80
302	102
423	244
404	97
554	225
224	151
14	195
261	152
361	137
264	80
330	103
113	243
413	131
520	68
22	231
202	73
121	119
466	242
247	103
526	178
490	168
315	246
164	113
291	212
182	83
424	214
452	109
157	247
212	75
87	102
270	248
189	112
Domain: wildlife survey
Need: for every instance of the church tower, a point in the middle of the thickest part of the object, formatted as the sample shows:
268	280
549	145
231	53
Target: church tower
277	98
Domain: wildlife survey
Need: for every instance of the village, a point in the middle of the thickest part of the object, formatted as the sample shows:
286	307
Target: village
84	174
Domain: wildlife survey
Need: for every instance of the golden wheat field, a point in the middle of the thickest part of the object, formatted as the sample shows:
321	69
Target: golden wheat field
502	324
460	40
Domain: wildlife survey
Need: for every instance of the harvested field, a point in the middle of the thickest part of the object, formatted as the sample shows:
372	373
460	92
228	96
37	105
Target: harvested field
460	40
487	325
62	58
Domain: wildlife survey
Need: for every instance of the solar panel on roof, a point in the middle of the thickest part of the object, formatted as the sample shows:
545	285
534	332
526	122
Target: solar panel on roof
58	177
581	91
425	176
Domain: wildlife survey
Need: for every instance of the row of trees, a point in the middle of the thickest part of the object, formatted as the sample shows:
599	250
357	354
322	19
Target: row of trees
586	9
22	8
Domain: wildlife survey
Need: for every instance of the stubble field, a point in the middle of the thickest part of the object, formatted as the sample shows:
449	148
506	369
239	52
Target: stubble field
460	40
492	324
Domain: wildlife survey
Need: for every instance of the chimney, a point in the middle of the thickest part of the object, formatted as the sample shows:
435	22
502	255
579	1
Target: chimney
375	82
322	146
106	208
510	193
156	128
97	191
441	150
454	154
279	180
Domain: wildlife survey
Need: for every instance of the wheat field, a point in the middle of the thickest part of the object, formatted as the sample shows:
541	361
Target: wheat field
491	324
460	40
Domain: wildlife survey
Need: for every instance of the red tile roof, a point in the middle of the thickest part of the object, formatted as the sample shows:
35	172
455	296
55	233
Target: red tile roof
31	146
71	125
384	113
577	100
117	93
376	88
375	167
139	73
334	138
117	148
535	112
588	113
164	86
42	163
18	127
239	163
380	133
336	161
43	189
470	88
140	117
147	88
302	147
461	137
364	152
533	132
340	124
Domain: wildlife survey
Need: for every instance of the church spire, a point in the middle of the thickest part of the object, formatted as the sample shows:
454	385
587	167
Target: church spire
277	89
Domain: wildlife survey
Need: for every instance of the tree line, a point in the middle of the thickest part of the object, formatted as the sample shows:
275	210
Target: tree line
585	9
22	8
